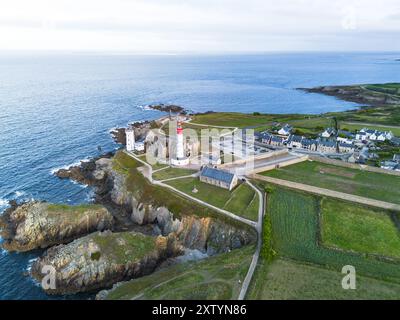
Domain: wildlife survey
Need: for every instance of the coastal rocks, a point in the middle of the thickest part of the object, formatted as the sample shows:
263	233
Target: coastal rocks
168	108
100	260
82	173
356	94
35	225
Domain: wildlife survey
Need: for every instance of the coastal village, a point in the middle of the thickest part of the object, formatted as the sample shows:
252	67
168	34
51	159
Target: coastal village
365	146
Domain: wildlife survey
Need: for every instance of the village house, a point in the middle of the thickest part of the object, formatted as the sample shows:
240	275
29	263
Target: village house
329	132
390	165
264	137
327	146
277	141
285	130
346	147
309	144
294	141
366	134
219	178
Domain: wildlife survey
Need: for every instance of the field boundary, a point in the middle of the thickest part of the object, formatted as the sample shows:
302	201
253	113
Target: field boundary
329	193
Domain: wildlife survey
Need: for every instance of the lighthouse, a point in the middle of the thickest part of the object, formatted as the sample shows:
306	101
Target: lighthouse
179	141
130	139
180	157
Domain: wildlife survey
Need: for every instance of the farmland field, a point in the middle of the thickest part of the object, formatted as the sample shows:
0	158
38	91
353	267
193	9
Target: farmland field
242	201
295	234
359	228
290	280
372	185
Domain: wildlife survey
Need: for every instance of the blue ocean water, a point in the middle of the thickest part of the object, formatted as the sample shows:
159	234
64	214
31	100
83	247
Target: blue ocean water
57	109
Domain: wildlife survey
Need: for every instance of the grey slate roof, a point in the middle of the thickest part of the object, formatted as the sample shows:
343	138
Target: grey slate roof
217	174
328	143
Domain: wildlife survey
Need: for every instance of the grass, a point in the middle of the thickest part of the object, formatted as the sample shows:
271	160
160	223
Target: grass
215	278
353	181
242	201
77	209
123	247
359	228
296	235
244	120
289	280
171	172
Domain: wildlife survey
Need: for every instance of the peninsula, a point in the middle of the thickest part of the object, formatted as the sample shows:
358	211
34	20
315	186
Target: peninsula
196	226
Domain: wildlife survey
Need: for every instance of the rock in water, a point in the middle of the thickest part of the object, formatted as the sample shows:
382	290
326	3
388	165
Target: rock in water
36	225
103	258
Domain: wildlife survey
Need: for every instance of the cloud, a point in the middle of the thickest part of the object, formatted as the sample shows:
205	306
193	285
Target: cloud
195	25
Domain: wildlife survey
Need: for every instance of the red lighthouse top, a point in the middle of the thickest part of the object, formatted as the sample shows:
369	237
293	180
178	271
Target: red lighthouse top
179	129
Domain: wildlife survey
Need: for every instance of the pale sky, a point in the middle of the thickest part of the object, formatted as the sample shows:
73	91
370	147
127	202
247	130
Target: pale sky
200	26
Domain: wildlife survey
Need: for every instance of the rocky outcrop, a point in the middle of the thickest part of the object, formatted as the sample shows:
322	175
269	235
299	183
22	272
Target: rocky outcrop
356	94
36	225
168	108
100	259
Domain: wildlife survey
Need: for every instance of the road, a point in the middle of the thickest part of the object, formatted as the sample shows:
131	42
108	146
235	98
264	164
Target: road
330	193
256	255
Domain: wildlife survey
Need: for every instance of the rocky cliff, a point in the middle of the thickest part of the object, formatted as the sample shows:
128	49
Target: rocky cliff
101	259
36	225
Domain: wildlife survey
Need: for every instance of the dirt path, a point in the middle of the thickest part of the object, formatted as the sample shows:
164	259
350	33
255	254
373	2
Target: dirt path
330	193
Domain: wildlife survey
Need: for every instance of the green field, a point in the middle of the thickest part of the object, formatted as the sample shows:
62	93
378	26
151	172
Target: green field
296	235
215	278
242	201
290	280
243	120
171	172
359	228
372	185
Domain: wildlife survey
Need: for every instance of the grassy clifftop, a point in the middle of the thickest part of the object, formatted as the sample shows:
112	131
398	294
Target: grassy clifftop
216	278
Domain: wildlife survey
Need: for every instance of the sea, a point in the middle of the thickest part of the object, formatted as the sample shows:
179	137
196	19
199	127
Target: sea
57	110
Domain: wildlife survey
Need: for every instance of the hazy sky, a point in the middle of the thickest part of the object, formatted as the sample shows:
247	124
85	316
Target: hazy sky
168	26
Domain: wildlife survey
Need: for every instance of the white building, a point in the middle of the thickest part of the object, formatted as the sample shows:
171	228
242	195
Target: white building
180	158
139	145
130	139
285	130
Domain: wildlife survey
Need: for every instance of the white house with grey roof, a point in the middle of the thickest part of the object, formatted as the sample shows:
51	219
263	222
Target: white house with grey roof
219	178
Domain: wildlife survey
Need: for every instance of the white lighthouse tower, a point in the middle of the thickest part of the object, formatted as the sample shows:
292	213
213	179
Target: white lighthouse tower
130	139
180	159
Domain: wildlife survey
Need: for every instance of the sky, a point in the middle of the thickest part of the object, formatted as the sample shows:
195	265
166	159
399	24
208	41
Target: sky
199	26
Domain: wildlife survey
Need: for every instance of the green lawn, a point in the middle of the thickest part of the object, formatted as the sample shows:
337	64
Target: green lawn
172	173
242	201
215	278
359	228
290	280
296	235
354	181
